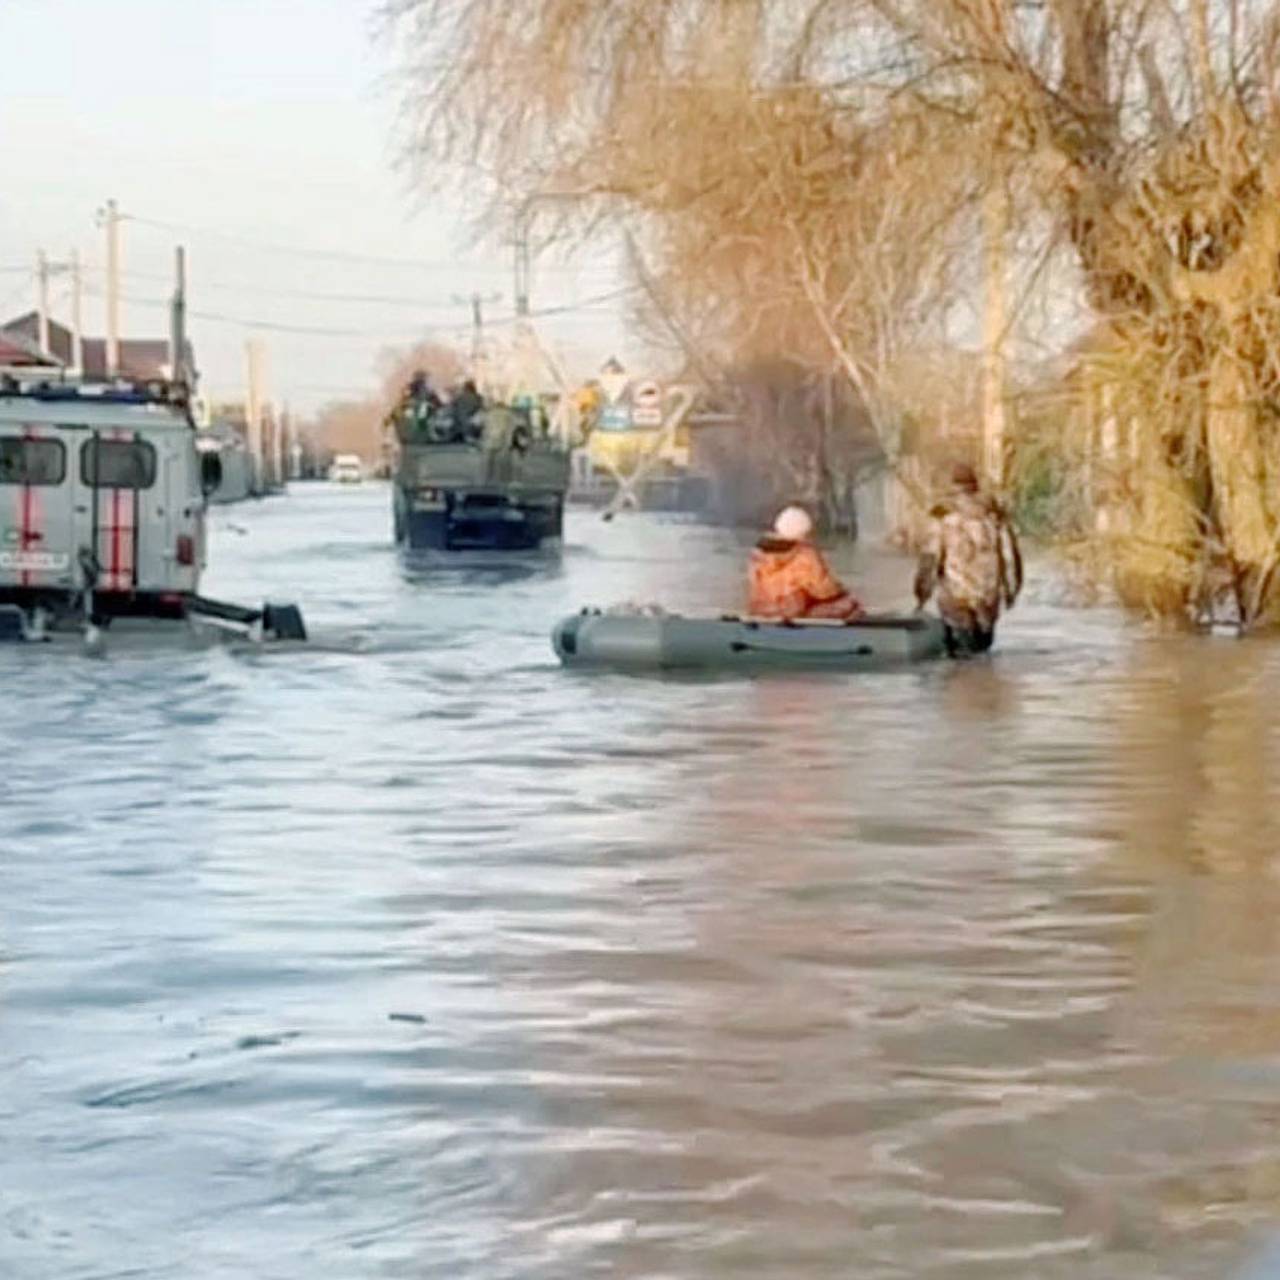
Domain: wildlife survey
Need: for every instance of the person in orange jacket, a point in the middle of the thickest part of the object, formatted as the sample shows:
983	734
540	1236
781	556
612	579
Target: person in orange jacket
789	579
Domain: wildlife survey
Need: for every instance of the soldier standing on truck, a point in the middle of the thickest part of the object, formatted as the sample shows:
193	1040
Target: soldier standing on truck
466	403
420	402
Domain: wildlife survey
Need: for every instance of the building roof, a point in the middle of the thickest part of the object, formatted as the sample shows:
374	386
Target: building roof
18	350
141	358
28	326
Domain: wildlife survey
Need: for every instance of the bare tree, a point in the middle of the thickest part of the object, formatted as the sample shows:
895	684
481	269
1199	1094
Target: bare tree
347	426
782	160
777	226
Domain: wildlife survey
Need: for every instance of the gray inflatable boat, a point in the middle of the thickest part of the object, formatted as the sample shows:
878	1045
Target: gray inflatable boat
671	642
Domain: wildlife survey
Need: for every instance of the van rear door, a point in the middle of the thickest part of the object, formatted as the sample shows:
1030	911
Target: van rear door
167	562
36	520
117	467
183	514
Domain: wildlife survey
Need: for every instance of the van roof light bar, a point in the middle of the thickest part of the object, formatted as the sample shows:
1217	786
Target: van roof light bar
117	391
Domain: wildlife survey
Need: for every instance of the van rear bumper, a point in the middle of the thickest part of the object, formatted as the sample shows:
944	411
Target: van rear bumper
106	604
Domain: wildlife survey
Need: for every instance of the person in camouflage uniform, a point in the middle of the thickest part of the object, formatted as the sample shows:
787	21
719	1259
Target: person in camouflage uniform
971	562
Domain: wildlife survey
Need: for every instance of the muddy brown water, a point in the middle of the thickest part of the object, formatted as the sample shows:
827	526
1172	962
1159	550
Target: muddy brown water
413	955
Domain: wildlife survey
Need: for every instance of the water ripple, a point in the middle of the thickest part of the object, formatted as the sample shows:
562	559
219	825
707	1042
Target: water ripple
412	955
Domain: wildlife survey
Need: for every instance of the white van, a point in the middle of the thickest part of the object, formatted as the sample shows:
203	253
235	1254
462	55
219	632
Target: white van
347	469
101	488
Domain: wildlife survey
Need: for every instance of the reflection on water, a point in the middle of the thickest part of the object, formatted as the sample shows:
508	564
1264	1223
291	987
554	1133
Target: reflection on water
414	955
478	570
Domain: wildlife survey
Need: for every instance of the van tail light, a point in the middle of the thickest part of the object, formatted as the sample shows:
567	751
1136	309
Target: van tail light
186	549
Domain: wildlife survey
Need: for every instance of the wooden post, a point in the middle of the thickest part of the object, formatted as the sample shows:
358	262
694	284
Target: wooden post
178	371
253	413
42	301
77	318
112	222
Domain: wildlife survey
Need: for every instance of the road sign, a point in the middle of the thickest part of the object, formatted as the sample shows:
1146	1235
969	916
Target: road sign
613	380
646	404
615	417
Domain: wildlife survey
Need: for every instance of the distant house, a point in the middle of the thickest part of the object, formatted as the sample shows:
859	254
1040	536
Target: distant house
140	358
19	351
227	440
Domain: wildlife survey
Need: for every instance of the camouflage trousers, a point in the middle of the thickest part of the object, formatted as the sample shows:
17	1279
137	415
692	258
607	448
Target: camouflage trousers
970	630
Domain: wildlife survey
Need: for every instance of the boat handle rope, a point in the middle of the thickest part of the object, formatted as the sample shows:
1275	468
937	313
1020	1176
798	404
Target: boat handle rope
862	651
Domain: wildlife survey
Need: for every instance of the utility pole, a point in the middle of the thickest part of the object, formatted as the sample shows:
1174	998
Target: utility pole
477	302
109	217
253	412
522	376
42	300
178	321
46	270
288	445
528	351
523	263
280	446
77	318
270	430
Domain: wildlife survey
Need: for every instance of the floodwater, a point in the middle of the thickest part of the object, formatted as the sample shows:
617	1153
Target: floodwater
412	955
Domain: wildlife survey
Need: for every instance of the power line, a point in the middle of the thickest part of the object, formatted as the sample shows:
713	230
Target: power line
297	251
538	313
306	295
270	326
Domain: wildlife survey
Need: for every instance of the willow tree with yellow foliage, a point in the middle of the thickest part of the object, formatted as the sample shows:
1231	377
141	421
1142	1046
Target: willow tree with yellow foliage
804	175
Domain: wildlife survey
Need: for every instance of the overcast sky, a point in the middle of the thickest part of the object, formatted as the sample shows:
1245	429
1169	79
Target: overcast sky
259	133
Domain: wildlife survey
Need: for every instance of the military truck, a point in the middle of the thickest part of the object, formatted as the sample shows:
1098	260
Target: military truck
496	481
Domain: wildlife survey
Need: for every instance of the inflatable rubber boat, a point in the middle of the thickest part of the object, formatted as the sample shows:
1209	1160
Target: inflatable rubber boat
668	642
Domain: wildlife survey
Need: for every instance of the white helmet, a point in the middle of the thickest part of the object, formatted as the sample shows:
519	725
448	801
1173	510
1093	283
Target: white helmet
794	524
